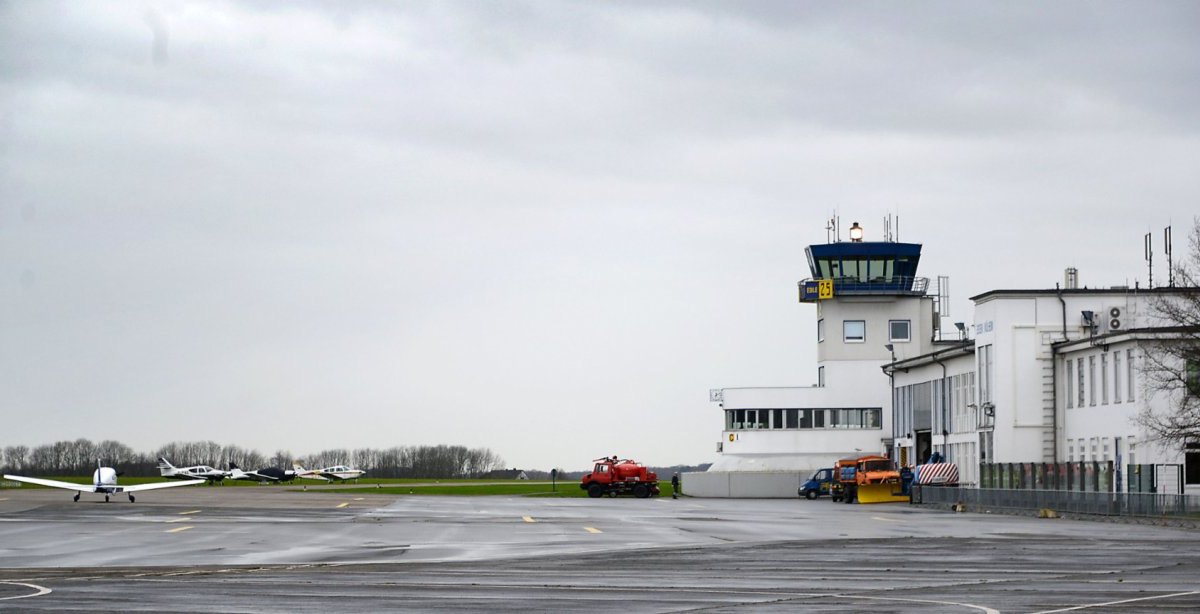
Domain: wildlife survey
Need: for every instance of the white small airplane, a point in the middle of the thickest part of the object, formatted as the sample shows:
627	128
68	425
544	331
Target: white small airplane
104	480
212	474
329	474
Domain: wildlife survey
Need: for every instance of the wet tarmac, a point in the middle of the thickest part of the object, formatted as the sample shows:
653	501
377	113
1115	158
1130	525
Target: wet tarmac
270	549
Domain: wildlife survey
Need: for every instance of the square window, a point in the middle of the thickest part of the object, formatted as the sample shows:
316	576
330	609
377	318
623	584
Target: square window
854	331
820	330
899	330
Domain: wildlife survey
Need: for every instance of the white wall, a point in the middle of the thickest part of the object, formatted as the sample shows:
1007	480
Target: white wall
742	484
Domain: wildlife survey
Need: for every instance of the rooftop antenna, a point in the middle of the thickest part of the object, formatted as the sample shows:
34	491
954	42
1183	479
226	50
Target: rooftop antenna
1167	248
830	227
1150	258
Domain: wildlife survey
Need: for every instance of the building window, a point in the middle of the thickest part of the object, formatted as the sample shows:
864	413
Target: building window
985	374
777	418
1104	379
854	331
1070	450
1129	375
792	422
898	330
1079	376
821	376
1191	463
1116	377
820	330
1192	377
1091	380
1070	382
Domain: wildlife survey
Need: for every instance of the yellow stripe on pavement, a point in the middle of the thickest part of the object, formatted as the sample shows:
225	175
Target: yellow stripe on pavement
341	505
592	530
191	512
358	498
178	529
174	520
528	518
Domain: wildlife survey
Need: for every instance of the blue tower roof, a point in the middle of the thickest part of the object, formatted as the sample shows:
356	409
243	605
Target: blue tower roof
866	267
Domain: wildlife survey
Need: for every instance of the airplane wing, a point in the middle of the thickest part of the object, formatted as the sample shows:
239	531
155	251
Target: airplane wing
52	483
260	477
157	485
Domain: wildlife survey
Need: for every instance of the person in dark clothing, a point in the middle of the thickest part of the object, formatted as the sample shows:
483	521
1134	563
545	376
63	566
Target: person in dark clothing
675	486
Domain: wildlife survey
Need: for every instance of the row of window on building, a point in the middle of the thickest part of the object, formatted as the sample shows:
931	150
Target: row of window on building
855	331
1090	381
852	418
1102	449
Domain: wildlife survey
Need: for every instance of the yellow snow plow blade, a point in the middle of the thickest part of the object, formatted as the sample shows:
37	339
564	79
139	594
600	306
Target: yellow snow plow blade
880	493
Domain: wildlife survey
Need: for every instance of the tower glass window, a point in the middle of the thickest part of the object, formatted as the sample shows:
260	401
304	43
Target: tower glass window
899	330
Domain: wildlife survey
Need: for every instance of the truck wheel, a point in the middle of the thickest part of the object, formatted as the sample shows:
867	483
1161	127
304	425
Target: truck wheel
595	491
810	494
641	491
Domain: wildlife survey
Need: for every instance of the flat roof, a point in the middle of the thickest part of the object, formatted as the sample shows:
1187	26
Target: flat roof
966	346
1085	292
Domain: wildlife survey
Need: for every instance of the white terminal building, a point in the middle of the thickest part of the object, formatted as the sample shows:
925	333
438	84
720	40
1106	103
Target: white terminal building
1044	375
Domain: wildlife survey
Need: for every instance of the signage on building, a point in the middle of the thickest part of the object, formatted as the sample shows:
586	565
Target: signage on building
820	289
808	291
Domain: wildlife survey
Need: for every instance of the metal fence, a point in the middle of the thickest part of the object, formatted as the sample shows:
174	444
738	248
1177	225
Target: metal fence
1101	503
1077	477
1090	476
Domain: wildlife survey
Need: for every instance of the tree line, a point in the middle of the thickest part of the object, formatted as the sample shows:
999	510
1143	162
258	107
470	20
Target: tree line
78	457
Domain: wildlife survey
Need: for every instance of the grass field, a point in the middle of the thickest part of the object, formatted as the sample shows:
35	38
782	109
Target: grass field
384	486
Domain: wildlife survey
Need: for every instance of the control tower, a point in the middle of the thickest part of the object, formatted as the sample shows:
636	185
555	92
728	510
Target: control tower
871	309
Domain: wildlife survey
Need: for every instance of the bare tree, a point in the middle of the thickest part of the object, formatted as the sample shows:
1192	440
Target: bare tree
1171	362
15	457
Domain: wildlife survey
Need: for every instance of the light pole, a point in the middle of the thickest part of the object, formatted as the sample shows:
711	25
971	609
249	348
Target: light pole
892	384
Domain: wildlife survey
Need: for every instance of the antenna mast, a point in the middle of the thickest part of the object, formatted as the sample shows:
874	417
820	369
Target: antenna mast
1167	248
1150	258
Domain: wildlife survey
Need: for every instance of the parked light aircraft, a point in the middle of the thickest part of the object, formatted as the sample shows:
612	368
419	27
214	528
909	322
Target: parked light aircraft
268	474
104	480
329	474
212	474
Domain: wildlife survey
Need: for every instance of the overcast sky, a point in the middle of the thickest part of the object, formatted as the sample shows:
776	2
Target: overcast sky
546	228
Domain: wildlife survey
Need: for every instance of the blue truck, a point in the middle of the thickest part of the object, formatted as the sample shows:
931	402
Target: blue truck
818	484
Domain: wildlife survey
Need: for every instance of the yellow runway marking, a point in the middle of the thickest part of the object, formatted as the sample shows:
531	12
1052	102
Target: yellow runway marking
528	518
885	519
3	498
179	529
191	512
591	530
358	498
177	520
341	505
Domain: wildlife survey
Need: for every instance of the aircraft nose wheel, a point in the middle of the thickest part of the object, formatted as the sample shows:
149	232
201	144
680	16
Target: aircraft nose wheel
76	497
106	498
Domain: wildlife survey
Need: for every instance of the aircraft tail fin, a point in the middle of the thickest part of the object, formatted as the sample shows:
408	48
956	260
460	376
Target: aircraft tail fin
233	466
164	466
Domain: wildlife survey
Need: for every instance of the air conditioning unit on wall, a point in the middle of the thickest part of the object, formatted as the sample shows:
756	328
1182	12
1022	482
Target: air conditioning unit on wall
1114	321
